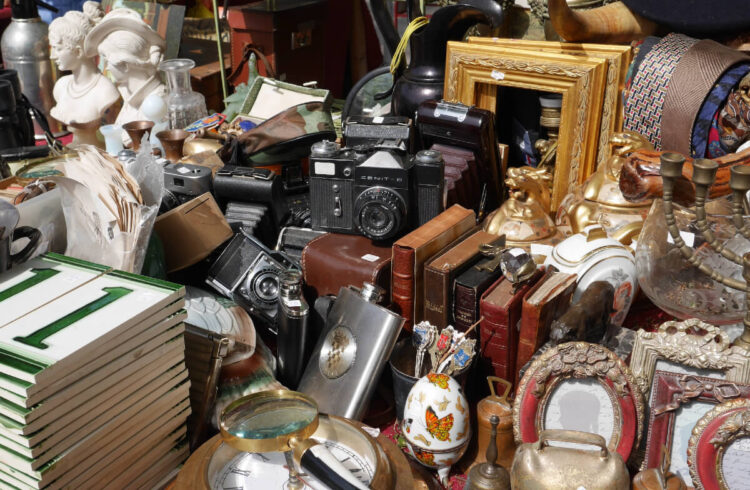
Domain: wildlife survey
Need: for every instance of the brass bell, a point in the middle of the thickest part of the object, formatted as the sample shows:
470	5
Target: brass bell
489	475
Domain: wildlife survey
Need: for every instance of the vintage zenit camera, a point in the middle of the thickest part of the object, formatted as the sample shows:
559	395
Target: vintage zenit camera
248	272
377	191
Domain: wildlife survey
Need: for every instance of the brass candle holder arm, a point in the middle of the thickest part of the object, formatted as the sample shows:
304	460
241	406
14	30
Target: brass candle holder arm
704	174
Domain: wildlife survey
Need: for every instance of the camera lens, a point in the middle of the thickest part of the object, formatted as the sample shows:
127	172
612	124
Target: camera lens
266	286
379	213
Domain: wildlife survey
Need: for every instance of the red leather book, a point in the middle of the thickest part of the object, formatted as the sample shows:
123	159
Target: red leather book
500	307
543	303
411	252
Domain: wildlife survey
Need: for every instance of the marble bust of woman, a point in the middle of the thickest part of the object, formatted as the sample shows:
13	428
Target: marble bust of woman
82	98
131	52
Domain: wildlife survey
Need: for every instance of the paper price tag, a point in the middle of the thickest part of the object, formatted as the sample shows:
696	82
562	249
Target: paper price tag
295	303
497	75
377	119
370	258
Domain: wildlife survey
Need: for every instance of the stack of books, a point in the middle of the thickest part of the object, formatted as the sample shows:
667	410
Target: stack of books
93	385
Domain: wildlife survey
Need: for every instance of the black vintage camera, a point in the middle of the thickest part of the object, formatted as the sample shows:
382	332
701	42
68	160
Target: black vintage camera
252	185
248	272
373	190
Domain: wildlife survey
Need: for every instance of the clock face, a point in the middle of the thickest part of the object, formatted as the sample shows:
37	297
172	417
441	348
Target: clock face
269	470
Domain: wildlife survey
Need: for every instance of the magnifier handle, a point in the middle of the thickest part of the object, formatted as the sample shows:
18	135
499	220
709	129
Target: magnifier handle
319	462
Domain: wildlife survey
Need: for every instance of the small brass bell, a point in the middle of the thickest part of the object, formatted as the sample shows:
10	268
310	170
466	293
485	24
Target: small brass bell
489	475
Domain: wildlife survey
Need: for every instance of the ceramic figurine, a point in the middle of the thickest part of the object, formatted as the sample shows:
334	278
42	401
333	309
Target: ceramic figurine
600	199
523	217
436	423
593	256
131	52
83	98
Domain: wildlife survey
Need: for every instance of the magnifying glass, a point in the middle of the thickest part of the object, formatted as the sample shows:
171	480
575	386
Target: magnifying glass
282	420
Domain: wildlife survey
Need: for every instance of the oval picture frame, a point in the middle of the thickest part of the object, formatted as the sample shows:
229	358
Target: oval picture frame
712	435
580	361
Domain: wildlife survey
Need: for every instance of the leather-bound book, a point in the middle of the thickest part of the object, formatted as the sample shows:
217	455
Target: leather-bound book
411	252
498	333
543	303
440	272
467	291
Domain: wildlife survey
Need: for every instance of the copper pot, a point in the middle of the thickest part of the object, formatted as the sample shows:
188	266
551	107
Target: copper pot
173	141
136	130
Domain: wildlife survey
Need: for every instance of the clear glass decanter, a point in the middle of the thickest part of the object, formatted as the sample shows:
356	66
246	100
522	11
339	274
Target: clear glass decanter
184	105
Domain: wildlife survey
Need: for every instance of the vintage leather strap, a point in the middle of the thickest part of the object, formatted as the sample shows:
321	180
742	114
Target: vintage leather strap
644	107
692	80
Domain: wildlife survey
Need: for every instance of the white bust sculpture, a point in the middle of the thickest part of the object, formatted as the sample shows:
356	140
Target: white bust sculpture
83	98
131	52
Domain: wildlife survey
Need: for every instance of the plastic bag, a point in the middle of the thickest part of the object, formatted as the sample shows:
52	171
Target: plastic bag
109	216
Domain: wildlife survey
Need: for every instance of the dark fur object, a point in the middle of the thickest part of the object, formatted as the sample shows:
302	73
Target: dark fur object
587	319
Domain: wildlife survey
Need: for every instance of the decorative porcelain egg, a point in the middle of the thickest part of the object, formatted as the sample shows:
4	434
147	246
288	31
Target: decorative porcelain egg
593	256
436	423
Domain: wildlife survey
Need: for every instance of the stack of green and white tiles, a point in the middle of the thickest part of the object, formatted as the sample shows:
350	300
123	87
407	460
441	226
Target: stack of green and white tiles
93	386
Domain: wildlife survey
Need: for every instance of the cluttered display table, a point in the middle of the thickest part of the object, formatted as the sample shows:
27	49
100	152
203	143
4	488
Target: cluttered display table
508	260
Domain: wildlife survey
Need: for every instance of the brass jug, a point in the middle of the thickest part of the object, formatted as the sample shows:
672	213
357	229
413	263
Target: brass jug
600	201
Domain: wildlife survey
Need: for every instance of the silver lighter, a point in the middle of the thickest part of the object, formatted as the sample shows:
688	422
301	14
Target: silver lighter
350	355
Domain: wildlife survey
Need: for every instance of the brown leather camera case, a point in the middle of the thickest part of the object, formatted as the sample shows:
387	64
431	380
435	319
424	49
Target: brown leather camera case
333	261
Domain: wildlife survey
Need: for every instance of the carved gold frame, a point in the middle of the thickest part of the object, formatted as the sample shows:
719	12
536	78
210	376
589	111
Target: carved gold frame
473	71
734	416
691	343
618	60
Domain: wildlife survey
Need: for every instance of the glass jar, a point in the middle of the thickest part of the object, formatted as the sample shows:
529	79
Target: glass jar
183	104
676	286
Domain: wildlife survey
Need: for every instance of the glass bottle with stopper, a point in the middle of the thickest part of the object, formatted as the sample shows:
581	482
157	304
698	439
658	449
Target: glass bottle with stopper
489	475
184	105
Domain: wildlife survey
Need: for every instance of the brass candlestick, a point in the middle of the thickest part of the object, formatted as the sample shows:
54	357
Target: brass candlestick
704	175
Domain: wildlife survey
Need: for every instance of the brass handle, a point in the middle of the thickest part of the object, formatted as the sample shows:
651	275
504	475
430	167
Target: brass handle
573	436
491	380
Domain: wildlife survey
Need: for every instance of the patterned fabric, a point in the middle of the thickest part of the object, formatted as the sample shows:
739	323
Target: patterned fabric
706	142
643	110
734	118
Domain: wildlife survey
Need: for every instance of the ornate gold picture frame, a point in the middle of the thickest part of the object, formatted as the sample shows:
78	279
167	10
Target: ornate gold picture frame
712	461
474	71
618	60
700	348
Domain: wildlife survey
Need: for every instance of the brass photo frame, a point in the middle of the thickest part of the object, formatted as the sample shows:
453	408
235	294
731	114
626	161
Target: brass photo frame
696	346
618	60
474	71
